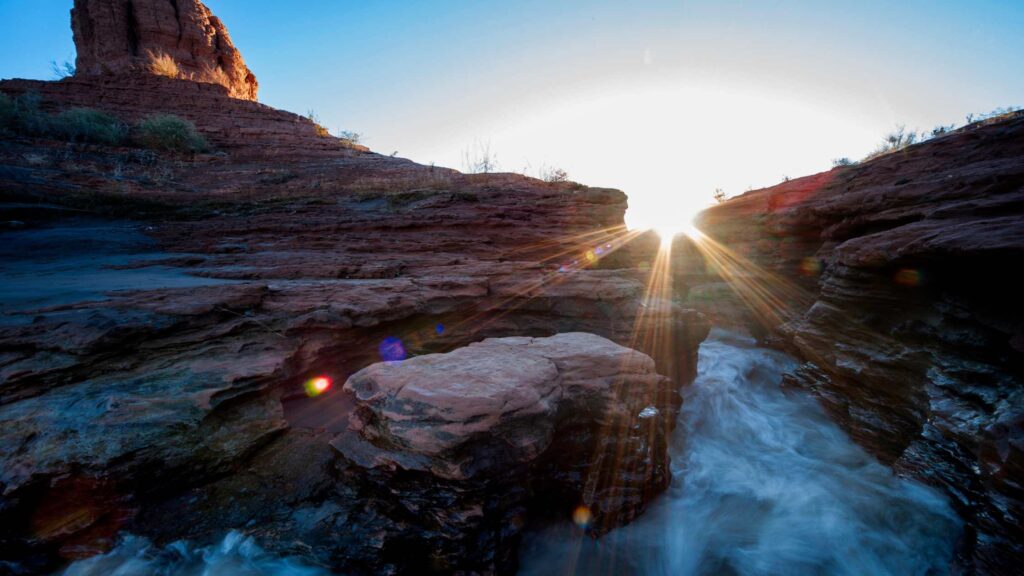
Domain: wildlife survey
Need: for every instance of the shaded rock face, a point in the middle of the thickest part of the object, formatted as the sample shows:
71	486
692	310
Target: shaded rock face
161	315
899	281
486	436
119	36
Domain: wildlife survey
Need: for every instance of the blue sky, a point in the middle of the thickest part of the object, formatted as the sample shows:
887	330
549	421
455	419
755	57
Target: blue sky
667	100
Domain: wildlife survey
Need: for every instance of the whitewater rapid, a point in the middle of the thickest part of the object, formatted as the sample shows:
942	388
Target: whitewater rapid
763	483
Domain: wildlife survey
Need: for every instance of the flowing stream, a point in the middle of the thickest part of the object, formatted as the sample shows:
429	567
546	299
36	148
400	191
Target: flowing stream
763	483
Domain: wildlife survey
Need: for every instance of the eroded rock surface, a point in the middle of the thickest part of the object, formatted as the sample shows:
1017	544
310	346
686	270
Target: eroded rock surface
156	386
483	437
115	37
896	281
161	315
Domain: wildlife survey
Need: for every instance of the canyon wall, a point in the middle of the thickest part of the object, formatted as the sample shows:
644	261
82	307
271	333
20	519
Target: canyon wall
896	281
167	317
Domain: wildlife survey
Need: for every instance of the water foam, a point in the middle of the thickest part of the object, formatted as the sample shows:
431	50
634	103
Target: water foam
764	483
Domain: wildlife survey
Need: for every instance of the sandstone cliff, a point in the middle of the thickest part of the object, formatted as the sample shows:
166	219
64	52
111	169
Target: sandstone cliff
115	37
897	281
164	315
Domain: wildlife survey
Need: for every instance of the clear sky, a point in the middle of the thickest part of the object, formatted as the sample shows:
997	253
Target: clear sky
665	100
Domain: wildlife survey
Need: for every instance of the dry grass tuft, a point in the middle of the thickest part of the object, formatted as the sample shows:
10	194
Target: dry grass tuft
162	64
214	75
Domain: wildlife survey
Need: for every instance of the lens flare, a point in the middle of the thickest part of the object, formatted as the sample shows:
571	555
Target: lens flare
667	234
391	349
581	516
810	266
317	386
908	277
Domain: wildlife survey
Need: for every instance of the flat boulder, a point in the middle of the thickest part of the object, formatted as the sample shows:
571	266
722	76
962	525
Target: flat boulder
486	438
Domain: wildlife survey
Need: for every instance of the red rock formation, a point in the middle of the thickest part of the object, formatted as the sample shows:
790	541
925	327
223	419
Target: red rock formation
239	277
240	128
152	369
896	282
576	420
115	37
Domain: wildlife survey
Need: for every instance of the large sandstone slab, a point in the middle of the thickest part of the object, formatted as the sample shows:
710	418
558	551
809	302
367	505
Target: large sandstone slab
475	443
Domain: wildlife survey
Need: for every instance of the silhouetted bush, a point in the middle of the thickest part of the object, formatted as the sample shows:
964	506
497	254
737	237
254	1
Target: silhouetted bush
553	175
169	132
479	159
62	70
21	115
350	136
842	162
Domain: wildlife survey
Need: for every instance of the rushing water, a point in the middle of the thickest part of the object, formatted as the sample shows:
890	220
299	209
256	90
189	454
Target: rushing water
237	555
764	483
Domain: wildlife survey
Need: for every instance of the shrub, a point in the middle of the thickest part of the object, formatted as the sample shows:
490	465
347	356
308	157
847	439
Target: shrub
844	161
352	137
87	125
22	115
214	75
479	159
898	139
315	119
553	175
62	70
162	64
169	132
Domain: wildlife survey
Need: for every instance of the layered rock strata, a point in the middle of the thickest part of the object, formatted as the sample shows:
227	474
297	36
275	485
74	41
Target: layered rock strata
896	279
240	128
164	317
162	314
481	438
117	37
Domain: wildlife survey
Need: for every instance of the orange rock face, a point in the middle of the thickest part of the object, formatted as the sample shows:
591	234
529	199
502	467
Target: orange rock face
119	36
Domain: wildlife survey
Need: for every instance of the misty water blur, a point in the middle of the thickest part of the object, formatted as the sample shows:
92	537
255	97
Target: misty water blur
236	555
764	483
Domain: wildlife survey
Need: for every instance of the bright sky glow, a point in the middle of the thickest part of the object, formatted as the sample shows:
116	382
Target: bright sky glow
666	100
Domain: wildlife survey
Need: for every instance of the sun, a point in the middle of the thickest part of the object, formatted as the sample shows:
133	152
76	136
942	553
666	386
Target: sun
668	233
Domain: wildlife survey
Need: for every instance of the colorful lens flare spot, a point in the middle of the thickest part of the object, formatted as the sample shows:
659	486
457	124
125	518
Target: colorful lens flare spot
317	386
391	349
439	329
908	277
581	516
810	266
